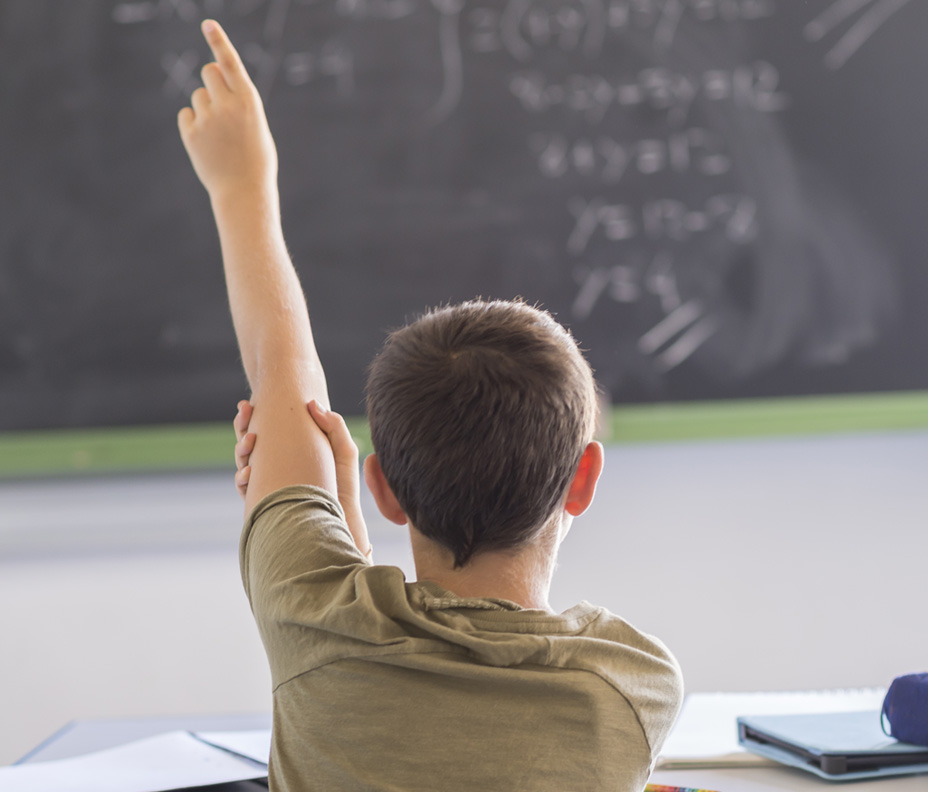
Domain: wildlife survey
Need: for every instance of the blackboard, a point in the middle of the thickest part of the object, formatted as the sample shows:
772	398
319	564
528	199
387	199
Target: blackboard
722	198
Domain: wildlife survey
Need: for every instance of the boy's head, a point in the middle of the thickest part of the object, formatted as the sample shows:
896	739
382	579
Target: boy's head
479	414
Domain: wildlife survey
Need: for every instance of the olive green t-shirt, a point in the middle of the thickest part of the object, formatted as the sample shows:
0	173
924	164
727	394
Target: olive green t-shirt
380	684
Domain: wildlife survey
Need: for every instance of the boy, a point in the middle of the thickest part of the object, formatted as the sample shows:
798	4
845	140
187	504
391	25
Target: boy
482	419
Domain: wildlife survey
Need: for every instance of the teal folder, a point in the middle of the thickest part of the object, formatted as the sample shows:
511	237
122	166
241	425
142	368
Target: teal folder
838	746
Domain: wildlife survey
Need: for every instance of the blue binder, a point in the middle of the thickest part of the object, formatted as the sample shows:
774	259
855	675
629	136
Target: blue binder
839	746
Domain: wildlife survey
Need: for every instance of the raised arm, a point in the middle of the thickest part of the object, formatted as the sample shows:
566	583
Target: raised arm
226	135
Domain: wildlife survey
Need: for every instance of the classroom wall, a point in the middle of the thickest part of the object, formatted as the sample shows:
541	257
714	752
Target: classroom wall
788	563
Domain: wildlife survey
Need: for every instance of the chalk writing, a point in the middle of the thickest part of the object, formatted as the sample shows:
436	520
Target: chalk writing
627	283
697	151
130	13
523	28
684	327
754	86
683	331
875	14
266	59
661	220
375	9
638	189
452	61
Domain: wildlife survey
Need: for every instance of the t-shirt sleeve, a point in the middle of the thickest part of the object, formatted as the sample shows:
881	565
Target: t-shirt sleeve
315	598
293	531
300	568
642	669
660	697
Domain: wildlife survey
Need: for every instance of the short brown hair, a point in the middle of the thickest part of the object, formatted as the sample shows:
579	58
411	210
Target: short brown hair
479	414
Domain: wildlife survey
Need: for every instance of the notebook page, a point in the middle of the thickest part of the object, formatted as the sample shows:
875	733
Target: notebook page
255	745
706	733
173	760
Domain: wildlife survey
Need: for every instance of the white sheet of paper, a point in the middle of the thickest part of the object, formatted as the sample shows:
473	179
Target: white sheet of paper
706	733
167	761
254	744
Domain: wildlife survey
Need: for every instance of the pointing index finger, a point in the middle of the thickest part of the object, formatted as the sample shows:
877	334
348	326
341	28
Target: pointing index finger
225	54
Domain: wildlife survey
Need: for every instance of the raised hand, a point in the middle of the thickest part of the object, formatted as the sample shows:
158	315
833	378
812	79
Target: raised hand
225	129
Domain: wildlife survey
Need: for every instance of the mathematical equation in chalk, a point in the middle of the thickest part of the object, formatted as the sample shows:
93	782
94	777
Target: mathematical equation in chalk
331	62
685	325
754	86
563	67
692	151
663	220
523	27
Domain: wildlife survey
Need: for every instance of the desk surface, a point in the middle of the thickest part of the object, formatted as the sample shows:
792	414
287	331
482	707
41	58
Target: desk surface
777	779
81	737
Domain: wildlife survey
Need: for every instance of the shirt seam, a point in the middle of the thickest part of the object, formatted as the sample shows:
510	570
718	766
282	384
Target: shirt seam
631	706
543	621
371	655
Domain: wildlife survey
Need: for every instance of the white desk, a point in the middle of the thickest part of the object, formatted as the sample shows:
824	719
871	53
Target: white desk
84	736
767	779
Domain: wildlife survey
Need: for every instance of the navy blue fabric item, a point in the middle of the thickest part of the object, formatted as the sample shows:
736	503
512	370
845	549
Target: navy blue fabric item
906	709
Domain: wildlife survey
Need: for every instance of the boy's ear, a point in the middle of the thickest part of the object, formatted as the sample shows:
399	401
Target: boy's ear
583	487
383	496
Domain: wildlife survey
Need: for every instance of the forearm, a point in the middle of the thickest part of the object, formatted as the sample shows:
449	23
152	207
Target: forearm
231	149
265	297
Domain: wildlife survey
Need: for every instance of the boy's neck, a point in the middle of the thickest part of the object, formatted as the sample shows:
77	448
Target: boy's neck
522	577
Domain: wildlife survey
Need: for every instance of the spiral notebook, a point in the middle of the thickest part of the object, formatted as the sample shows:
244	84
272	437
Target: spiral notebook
706	733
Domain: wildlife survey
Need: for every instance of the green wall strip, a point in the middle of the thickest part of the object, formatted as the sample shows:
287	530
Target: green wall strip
51	453
768	417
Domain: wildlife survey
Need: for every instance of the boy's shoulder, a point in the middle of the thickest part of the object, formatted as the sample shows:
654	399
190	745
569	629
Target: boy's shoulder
640	667
584	638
